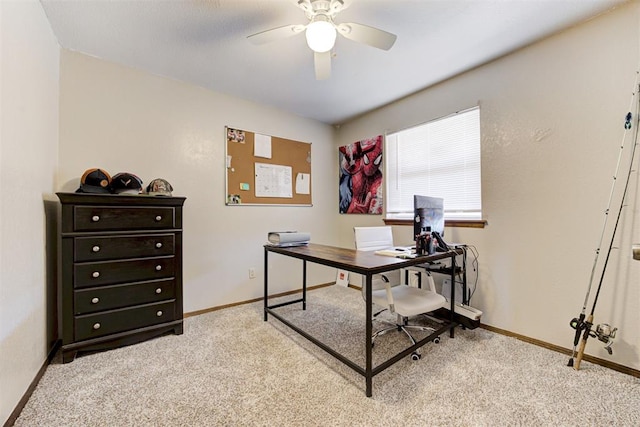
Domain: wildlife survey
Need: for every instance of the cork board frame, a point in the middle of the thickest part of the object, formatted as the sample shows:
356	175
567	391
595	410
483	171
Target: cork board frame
266	170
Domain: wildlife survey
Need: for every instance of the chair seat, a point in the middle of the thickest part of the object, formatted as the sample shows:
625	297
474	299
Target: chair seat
409	301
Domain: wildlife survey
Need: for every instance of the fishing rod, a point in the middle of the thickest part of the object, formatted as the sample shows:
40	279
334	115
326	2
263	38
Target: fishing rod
604	332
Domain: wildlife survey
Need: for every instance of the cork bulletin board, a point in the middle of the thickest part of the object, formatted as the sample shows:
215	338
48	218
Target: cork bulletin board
266	170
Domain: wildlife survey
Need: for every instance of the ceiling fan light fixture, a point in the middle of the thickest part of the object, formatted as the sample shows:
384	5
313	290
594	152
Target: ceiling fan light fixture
321	35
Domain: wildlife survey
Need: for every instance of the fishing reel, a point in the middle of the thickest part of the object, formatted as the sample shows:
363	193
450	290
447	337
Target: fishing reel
579	324
606	334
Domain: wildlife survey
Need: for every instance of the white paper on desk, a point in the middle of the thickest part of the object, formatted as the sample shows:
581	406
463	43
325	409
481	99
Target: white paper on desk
262	146
303	181
393	252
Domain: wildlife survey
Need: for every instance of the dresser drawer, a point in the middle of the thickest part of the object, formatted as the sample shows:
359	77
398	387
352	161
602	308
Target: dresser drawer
117	296
126	319
98	218
111	272
105	248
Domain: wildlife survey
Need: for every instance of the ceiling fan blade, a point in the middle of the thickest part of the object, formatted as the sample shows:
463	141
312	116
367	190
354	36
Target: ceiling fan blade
276	34
322	63
367	35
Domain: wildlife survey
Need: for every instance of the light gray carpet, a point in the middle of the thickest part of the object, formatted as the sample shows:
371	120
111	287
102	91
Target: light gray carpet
230	368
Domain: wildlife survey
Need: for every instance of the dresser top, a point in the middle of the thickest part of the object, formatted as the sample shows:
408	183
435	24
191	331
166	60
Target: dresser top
119	199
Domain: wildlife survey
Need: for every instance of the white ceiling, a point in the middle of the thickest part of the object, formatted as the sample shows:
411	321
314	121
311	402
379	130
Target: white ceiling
204	43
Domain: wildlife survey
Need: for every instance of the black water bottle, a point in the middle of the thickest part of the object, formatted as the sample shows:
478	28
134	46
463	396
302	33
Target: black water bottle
430	249
419	244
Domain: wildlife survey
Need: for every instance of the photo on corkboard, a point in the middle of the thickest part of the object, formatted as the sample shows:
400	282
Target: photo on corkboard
360	186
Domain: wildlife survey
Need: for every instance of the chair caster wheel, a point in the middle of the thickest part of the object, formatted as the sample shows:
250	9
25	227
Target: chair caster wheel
436	340
415	356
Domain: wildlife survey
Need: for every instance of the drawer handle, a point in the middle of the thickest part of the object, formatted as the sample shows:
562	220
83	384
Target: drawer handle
158	218
96	326
95	274
159	313
95	218
159	245
95	300
158	267
159	291
96	249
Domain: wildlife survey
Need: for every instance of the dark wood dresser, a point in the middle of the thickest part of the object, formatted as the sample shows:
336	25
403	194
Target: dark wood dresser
120	270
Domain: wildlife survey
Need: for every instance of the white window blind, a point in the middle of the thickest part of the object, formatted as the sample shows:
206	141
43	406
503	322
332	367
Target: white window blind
440	158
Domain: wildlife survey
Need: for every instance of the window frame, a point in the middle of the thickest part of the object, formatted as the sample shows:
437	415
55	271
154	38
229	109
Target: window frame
453	220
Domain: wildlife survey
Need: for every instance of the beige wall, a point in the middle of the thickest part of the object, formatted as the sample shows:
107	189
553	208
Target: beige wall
552	121
28	162
124	120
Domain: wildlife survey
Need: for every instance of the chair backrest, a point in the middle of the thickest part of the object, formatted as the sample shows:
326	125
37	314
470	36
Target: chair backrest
376	238
373	238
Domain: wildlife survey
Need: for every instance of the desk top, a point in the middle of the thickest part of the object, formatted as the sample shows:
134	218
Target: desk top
361	262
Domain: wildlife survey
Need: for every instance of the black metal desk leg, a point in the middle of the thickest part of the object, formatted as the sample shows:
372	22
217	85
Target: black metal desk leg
453	291
369	333
465	295
266	275
304	284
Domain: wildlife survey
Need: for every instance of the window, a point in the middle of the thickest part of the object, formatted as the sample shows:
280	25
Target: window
440	158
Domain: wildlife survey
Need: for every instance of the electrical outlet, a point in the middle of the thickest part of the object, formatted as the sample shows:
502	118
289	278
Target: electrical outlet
252	273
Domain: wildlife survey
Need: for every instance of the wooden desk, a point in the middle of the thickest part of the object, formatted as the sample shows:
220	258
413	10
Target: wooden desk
366	264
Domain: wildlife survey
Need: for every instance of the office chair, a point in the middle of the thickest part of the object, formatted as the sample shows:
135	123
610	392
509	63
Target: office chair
389	293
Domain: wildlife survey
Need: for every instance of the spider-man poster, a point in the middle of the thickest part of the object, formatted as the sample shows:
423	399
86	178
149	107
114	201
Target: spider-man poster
360	177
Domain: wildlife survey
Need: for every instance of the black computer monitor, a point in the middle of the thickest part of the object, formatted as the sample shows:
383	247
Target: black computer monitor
428	215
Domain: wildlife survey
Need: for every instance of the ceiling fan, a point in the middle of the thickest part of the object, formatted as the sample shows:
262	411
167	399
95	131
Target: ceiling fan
321	33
